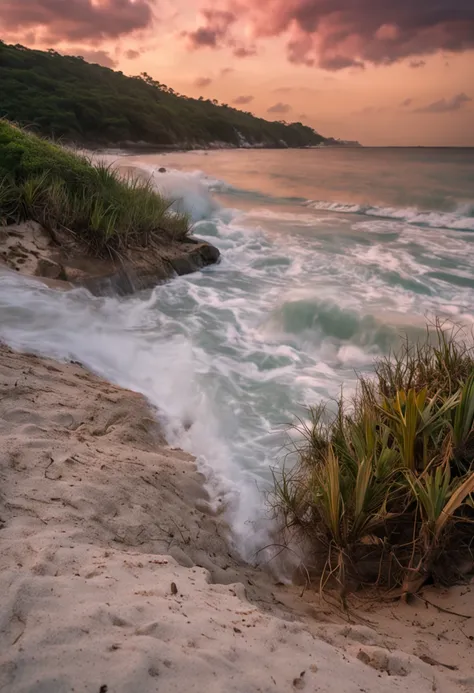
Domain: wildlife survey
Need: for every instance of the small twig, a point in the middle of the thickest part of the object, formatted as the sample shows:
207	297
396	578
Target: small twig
282	548
441	608
186	541
46	472
49	465
434	662
22	632
468	637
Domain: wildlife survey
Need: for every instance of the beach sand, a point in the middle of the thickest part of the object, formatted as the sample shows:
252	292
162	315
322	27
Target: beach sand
115	578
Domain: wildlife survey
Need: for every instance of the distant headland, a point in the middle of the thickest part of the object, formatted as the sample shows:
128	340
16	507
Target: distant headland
68	98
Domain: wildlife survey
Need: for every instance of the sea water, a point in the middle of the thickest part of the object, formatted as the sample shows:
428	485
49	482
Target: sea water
328	257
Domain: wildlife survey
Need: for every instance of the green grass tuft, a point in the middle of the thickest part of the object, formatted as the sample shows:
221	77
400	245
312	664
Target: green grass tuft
64	191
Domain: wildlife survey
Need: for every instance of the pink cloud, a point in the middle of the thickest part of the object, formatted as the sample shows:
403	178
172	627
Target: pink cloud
455	103
243	100
75	20
216	25
202	82
279	108
337	34
217	30
100	57
132	54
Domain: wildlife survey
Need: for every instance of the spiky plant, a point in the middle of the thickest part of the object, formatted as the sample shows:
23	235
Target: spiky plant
384	489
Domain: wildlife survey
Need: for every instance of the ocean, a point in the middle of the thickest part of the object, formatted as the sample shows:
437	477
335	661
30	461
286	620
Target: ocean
329	257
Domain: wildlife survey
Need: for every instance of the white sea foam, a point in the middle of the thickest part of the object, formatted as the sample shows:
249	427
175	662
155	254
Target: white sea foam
459	220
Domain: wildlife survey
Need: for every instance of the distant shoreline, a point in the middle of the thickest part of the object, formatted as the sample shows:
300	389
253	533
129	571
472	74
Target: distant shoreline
136	149
131	148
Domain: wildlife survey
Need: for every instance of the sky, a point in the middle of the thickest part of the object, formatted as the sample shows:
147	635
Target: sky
384	72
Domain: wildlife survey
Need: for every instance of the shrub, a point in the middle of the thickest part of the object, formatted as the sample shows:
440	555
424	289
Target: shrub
64	191
383	489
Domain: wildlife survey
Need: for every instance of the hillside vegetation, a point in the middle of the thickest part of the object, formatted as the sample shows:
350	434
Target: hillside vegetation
89	204
383	487
64	96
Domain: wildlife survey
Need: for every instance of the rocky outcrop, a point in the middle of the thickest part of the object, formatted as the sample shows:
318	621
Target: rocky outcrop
27	248
194	258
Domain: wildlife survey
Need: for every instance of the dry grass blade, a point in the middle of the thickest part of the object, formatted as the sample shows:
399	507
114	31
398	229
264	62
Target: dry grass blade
463	424
463	491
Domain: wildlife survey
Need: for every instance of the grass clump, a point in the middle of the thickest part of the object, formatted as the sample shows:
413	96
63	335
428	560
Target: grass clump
64	191
383	489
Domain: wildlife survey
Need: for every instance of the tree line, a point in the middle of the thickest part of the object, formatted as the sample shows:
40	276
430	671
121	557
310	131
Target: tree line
67	97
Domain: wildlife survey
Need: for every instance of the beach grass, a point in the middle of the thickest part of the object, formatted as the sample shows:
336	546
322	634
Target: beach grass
382	490
65	191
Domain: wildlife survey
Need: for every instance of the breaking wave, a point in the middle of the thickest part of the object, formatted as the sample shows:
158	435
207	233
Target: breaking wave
460	220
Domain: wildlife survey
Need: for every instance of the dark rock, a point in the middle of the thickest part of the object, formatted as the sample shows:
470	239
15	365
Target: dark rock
162	170
131	277
200	256
50	269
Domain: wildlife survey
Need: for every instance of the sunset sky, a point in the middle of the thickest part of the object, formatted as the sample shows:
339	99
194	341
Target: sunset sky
397	72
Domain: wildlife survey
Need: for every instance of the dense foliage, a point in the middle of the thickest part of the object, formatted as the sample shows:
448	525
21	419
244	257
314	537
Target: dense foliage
91	204
67	97
383	488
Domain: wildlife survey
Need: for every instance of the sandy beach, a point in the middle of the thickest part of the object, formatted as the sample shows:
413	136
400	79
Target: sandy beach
115	578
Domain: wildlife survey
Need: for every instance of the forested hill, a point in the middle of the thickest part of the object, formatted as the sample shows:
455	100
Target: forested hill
66	97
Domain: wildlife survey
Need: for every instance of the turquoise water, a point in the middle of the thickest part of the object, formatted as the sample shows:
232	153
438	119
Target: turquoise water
328	256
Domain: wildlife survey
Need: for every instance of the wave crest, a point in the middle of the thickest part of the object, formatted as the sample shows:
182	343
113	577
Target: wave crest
460	220
310	320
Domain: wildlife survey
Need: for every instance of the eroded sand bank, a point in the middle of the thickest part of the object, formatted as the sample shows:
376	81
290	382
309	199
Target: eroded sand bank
115	579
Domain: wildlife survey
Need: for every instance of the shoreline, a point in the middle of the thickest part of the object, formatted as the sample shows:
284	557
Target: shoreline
113	572
132	148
